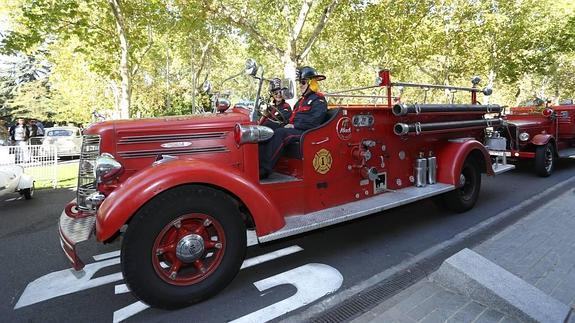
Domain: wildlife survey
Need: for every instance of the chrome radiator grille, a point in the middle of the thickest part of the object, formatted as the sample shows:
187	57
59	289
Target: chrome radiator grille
86	180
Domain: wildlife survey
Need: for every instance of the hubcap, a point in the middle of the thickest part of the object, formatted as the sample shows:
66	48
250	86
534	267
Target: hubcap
190	248
461	179
548	159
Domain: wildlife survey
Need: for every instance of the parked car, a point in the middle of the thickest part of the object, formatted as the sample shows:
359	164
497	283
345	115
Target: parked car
68	140
14	180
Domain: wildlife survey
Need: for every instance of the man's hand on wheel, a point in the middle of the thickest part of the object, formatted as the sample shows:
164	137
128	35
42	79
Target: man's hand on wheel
289	125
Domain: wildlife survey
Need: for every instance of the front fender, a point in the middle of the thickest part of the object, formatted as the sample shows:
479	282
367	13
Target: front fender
451	157
131	195
541	139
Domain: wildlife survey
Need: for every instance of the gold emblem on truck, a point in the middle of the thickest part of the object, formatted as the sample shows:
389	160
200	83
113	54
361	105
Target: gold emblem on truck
322	161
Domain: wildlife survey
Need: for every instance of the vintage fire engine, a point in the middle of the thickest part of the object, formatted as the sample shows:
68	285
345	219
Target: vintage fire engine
183	191
539	131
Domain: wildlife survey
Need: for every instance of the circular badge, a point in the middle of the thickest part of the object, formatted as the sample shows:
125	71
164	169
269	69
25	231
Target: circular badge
322	161
344	128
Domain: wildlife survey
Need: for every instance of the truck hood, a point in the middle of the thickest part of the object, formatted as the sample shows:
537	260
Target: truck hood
205	121
525	123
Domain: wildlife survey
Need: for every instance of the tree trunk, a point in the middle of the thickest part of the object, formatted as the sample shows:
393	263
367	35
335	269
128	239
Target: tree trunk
289	74
124	68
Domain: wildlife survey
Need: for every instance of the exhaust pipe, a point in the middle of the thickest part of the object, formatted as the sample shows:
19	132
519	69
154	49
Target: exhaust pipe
403	109
417	128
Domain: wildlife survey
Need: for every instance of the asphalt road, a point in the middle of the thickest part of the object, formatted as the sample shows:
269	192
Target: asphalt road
30	251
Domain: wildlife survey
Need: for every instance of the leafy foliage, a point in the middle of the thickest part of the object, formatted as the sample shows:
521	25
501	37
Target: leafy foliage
521	48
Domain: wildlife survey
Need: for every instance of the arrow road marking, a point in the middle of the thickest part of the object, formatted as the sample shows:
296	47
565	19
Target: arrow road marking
312	281
139	306
67	281
107	255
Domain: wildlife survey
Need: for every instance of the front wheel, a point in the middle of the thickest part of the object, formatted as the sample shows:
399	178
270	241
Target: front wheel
545	160
465	196
184	246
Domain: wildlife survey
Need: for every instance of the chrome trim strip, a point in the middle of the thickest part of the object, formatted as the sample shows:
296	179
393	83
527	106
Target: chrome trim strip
306	222
171	137
153	153
86	181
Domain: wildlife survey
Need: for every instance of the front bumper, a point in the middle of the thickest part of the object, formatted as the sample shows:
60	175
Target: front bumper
513	154
74	230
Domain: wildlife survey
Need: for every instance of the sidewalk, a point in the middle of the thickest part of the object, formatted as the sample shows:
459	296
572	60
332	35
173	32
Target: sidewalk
526	273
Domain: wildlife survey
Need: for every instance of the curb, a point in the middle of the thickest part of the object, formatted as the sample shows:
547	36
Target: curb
326	309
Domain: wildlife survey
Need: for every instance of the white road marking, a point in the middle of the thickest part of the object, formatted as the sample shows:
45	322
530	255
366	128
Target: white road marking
67	281
108	255
121	289
252	238
138	307
312	281
270	256
128	311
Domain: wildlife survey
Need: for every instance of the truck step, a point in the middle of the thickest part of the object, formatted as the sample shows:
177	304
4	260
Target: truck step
567	153
502	168
297	224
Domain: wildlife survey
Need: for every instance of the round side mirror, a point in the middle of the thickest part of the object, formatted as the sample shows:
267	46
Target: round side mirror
289	91
206	86
487	91
222	105
251	67
475	80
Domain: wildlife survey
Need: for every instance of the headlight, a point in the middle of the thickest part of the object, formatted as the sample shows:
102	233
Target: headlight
106	168
251	134
524	136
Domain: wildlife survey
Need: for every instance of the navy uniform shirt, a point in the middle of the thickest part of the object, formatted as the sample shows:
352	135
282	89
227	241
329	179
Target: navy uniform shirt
309	111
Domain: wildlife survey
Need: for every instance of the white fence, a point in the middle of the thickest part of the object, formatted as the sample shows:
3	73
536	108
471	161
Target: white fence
39	161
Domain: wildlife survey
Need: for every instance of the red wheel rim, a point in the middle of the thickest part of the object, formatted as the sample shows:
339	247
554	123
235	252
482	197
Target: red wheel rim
188	249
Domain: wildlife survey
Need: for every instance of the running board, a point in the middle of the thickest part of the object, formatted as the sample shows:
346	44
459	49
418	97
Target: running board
297	224
502	168
567	153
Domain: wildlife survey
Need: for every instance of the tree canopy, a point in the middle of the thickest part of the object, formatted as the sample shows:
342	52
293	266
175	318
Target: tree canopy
126	58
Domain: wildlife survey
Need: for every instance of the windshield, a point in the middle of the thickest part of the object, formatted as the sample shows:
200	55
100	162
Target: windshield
59	133
241	91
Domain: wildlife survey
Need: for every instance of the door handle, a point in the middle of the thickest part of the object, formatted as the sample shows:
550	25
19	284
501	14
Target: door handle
326	139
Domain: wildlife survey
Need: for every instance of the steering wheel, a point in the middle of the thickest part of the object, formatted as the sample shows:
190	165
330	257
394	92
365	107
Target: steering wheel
272	113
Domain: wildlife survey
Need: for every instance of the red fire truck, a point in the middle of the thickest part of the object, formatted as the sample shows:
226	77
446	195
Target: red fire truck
538	132
183	191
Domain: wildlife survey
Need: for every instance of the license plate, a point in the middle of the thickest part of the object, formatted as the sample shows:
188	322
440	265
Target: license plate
500	153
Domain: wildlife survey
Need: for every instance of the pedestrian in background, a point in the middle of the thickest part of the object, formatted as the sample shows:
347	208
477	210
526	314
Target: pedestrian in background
20	135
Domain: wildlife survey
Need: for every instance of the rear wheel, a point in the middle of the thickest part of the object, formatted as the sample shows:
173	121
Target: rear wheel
28	192
183	246
545	159
465	196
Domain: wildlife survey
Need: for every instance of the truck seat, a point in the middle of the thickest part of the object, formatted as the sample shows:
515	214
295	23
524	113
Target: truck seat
294	149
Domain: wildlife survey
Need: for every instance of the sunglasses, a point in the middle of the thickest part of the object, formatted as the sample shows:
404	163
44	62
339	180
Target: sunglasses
303	82
279	92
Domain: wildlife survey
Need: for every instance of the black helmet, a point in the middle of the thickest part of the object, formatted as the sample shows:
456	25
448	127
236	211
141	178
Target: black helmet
276	84
308	73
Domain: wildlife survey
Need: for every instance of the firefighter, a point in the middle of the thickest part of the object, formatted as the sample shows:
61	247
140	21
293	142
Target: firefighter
309	112
278	110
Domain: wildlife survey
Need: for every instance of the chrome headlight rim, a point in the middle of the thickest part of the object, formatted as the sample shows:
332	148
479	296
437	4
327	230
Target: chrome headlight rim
106	167
524	136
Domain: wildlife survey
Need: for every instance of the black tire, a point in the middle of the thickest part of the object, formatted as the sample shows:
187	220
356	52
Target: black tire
545	159
28	192
464	198
139	264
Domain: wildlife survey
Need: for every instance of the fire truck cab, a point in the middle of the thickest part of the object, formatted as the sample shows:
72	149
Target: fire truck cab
183	191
